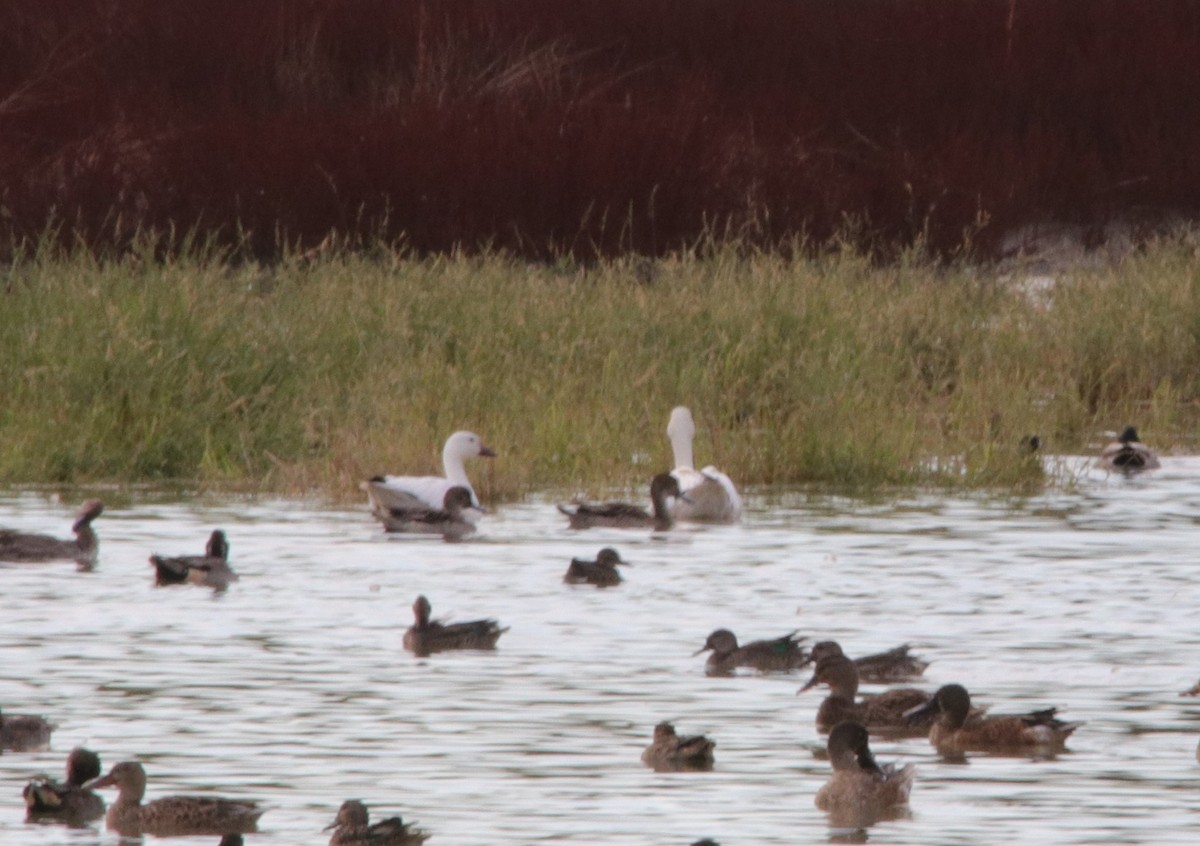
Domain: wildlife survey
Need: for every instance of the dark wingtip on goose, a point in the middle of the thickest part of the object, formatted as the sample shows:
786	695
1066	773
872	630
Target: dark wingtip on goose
427	636
450	520
602	572
24	732
1128	454
352	827
669	752
209	570
894	665
957	728
624	515
861	791
46	799
171	816
778	655
25	548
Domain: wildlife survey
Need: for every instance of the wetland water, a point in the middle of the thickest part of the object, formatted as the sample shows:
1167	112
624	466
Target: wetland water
292	688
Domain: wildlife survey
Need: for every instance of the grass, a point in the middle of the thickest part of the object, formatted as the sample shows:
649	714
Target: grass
311	374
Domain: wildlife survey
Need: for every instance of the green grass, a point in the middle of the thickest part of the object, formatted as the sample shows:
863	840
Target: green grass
313	374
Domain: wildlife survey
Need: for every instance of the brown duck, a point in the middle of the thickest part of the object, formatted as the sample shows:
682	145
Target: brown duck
171	816
24	732
83	548
352	827
69	801
861	792
208	570
449	520
882	713
602	572
894	665
624	515
427	636
669	752
957	728
767	656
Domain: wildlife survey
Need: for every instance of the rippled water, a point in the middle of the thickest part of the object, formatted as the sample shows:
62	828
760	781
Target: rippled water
292	688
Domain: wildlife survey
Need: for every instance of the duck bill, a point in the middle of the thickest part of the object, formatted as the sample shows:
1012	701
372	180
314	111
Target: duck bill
930	707
706	647
100	781
809	685
486	451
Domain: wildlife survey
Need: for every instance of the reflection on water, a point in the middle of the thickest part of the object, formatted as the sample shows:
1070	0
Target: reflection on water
292	686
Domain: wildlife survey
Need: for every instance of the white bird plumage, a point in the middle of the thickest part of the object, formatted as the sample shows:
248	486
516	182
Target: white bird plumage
711	496
387	493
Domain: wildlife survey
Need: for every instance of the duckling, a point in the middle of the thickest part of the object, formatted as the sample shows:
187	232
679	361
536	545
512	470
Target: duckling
352	827
46	799
1128	454
861	792
779	655
26	548
427	636
884	712
24	732
956	730
624	515
602	572
208	570
894	665
449	520
669	752
171	816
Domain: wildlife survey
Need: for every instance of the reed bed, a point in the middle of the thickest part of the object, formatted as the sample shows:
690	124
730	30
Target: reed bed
594	127
313	373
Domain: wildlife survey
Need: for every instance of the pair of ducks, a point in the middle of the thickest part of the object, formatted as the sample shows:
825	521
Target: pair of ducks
784	654
74	801
432	503
210	570
945	716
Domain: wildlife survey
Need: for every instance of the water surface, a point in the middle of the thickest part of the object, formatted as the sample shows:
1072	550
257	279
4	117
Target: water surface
292	687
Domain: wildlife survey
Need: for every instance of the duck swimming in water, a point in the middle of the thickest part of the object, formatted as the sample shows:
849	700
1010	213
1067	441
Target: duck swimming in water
861	791
352	827
427	636
956	729
625	515
602	572
450	520
25	548
208	570
894	665
171	816
24	732
1128	454
68	801
669	752
767	656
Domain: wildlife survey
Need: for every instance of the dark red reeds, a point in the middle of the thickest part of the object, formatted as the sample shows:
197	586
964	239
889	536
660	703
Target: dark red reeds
595	126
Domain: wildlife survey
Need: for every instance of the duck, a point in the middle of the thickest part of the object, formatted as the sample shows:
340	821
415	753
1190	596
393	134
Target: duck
711	496
20	547
24	732
602	572
419	492
957	730
624	515
861	791
352	827
1128	454
449	521
669	752
68	801
767	656
882	713
894	665
427	636
171	816
208	570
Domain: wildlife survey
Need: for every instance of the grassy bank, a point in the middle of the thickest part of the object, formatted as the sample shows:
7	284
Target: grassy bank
313	375
593	127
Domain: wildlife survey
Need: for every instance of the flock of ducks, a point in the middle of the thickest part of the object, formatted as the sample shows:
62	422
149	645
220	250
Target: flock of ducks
859	792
